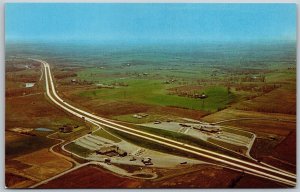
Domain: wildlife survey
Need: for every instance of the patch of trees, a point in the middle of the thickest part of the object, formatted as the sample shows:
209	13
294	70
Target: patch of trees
19	92
257	88
22	78
190	94
65	75
191	91
260	78
13	69
247	78
77	82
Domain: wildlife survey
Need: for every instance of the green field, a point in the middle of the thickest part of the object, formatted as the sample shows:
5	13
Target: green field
150	76
150	118
81	151
285	76
155	92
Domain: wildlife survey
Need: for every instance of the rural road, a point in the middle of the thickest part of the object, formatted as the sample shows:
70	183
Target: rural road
252	168
58	154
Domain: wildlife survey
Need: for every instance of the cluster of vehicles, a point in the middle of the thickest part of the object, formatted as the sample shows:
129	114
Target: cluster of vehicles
145	160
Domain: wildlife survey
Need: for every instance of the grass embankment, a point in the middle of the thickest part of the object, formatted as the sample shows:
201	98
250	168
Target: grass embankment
77	149
236	148
106	135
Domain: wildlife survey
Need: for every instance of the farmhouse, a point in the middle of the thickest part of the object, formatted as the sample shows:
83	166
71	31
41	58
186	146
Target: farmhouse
203	96
140	115
66	129
184	125
147	161
137	116
207	128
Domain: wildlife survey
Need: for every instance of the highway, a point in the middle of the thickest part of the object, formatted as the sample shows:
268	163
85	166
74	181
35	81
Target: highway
252	168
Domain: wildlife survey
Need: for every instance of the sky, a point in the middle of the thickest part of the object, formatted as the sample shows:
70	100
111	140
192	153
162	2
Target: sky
149	22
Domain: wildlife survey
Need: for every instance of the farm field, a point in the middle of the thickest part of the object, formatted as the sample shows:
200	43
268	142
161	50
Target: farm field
33	167
27	158
90	179
204	178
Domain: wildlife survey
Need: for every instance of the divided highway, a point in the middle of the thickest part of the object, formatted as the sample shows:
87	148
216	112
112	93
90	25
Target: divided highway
248	167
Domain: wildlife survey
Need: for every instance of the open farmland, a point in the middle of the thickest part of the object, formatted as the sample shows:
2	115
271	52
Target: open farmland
26	106
281	100
230	110
91	177
27	158
205	177
18	144
33	167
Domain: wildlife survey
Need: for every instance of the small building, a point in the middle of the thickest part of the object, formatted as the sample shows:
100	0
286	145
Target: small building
143	114
137	116
28	85
184	125
203	96
147	161
106	149
107	161
111	150
140	115
208	128
121	153
66	129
